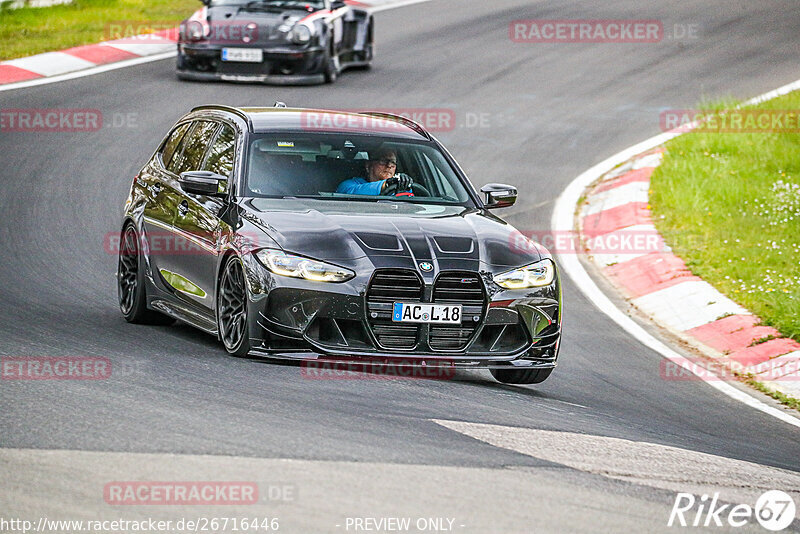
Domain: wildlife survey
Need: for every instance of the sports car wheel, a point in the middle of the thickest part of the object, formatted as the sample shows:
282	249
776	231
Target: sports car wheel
232	309
331	69
521	376
130	282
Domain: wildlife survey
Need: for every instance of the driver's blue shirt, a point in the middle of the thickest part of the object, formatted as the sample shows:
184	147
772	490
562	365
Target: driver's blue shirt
360	186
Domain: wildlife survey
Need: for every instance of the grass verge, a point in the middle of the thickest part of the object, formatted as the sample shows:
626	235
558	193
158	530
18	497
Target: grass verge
28	31
791	402
729	205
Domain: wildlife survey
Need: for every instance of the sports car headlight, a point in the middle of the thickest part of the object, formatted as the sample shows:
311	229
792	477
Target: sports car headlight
194	31
298	267
536	274
301	34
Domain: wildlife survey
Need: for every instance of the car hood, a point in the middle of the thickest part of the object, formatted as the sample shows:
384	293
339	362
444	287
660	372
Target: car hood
391	233
232	24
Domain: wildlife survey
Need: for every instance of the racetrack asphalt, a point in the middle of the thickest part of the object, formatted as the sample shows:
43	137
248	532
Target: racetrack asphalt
545	113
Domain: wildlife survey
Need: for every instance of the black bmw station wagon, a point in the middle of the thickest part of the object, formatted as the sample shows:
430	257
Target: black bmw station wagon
308	234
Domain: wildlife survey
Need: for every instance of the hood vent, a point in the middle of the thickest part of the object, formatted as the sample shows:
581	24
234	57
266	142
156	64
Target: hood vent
381	242
455	245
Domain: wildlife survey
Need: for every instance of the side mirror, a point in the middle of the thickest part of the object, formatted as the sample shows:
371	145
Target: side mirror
337	4
201	182
499	195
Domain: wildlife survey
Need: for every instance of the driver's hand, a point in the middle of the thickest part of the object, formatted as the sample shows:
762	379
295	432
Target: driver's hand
401	180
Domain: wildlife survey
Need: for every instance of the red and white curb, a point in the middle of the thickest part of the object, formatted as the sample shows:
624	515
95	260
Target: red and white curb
658	283
100	57
646	277
86	57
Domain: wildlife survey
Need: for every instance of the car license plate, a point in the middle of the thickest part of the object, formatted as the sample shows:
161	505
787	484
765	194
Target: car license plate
426	313
245	55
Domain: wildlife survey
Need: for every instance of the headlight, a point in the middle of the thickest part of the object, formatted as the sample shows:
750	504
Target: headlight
301	34
194	31
536	274
298	267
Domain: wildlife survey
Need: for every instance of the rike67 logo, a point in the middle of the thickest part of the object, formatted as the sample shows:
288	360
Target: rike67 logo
774	510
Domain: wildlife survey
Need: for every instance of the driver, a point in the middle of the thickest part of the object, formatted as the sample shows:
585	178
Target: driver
380	179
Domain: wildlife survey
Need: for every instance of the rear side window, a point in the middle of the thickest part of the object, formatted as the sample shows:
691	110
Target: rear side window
221	155
172	143
193	147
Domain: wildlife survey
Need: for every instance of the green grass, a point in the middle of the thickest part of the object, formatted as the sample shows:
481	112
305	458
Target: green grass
28	31
791	402
729	205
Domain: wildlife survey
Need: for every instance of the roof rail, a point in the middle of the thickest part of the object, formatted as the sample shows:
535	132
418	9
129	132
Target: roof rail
408	122
229	109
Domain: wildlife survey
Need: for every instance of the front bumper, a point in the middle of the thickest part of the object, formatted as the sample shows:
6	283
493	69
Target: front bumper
280	66
297	319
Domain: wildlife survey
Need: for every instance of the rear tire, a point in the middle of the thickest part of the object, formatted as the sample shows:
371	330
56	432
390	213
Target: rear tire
521	376
131	288
232	309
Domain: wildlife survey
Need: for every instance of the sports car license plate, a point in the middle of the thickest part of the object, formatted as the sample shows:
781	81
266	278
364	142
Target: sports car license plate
245	55
426	313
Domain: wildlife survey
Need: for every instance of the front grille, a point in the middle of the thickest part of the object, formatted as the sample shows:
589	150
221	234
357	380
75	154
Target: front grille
387	287
457	288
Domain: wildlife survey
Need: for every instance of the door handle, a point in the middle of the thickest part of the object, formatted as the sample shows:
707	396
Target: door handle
183	208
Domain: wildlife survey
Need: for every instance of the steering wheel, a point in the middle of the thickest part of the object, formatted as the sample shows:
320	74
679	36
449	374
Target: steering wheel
420	190
417	189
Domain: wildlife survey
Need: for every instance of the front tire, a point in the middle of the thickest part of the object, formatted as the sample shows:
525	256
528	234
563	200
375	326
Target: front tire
331	70
521	376
131	288
232	309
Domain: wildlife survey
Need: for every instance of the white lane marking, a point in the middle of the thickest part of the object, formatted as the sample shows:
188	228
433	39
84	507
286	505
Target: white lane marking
687	305
640	462
146	59
377	9
618	196
145	49
563	216
50	63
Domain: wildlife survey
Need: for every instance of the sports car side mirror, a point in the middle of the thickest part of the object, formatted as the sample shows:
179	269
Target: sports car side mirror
337	4
201	182
499	195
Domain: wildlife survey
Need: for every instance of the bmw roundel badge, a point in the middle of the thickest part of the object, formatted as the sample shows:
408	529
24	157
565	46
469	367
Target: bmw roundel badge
426	266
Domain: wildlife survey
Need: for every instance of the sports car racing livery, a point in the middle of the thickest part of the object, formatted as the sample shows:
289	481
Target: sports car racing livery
274	41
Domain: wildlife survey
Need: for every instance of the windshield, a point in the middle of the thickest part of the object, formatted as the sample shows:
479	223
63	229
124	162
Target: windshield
351	167
303	4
